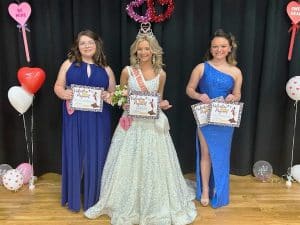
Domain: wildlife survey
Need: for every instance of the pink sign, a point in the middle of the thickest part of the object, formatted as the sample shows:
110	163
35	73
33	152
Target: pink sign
20	12
293	10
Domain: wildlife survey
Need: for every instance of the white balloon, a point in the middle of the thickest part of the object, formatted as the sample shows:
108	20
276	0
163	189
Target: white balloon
295	172
293	88
12	179
20	99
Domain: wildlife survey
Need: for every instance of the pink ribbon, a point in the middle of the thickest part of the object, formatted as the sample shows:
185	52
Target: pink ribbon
24	29
125	122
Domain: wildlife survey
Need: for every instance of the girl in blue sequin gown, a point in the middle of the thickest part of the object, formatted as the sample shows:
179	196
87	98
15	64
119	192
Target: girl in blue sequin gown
85	134
216	77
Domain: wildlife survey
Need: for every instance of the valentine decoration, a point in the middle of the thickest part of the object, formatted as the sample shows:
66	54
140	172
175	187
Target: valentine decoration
26	170
293	11
31	79
262	170
161	17
20	13
138	18
295	172
20	99
293	91
151	13
293	88
3	169
13	180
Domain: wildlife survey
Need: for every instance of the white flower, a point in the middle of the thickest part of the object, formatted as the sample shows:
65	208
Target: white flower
120	102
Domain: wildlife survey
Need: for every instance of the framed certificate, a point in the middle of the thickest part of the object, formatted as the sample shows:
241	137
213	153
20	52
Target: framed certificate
86	98
200	111
226	114
143	104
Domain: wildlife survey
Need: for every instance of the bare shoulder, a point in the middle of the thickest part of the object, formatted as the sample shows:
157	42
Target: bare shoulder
162	74
236	72
198	69
125	70
66	64
108	70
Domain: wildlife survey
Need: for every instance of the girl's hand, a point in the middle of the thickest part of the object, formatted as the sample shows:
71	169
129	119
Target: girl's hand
125	106
204	99
164	105
106	96
67	94
230	98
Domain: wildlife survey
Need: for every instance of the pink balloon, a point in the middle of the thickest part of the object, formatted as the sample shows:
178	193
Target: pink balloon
26	170
293	88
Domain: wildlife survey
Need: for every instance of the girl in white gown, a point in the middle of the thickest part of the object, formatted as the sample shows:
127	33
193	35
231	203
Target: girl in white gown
142	182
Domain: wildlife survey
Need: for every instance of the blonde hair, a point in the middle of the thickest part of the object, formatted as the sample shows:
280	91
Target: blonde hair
155	48
231	57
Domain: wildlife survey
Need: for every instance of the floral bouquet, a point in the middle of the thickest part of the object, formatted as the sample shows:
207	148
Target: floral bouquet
119	97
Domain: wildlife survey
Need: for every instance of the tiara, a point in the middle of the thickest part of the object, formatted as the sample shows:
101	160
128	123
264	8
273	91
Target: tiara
145	30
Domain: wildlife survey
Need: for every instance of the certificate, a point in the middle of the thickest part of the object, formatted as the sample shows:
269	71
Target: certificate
226	114
200	111
86	98
143	104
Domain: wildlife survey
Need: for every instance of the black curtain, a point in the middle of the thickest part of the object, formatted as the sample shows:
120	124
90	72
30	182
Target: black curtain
261	29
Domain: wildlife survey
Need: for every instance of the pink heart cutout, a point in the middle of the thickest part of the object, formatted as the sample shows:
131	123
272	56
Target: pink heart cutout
19	13
293	10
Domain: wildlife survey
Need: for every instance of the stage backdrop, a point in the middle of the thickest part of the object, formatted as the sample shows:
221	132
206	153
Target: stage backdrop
261	29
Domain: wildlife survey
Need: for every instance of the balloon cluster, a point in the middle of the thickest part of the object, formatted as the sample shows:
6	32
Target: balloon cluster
31	80
151	14
13	179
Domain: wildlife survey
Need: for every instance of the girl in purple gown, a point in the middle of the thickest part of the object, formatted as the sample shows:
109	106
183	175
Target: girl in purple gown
86	135
216	77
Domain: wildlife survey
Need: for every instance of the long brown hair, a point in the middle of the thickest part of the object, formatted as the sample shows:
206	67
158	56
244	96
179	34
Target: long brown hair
99	58
231	57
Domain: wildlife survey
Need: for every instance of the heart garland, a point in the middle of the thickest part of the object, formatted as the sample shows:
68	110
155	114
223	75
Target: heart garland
151	14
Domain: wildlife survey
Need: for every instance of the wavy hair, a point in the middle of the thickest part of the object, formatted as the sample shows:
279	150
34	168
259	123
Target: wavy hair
231	57
99	57
155	48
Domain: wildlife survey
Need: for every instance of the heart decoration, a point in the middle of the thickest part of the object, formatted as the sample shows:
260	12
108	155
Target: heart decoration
161	17
19	98
31	79
151	14
138	18
293	11
20	13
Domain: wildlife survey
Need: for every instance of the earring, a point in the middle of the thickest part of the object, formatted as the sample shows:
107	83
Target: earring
153	59
137	60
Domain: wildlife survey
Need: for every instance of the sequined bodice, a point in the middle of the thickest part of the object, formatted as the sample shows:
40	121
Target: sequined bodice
214	82
152	85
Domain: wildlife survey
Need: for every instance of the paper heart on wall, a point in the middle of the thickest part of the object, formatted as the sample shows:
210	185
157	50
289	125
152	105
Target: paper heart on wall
31	79
20	12
293	11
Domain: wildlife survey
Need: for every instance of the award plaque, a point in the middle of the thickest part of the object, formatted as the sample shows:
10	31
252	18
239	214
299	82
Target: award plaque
226	114
143	104
86	98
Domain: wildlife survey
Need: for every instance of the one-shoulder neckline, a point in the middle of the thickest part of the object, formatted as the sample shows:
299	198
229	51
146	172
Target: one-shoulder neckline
226	74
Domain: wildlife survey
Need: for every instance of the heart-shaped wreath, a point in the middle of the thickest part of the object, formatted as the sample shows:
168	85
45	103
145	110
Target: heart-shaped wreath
151	14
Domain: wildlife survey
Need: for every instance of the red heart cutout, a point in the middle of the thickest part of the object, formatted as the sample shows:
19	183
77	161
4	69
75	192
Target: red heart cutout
161	17
293	10
31	79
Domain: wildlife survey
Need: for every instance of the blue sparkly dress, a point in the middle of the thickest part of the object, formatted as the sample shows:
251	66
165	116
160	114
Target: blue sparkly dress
215	84
85	142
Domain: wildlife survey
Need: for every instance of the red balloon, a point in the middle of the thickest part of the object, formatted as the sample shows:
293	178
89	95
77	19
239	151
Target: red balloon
31	79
